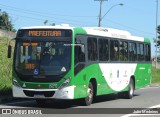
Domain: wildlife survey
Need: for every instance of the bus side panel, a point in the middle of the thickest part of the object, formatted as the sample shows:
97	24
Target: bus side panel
80	81
83	78
111	77
117	75
142	75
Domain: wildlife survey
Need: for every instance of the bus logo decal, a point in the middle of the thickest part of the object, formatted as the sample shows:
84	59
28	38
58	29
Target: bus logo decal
24	85
63	69
110	74
117	73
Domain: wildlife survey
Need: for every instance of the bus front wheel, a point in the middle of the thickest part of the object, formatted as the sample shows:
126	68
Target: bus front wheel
89	99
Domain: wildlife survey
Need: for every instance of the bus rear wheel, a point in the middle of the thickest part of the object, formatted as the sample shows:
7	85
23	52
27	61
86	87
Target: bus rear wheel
89	99
130	92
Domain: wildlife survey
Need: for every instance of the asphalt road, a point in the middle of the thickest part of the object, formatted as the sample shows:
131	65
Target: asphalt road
148	97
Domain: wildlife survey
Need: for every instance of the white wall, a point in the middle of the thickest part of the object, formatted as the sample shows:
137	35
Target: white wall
8	34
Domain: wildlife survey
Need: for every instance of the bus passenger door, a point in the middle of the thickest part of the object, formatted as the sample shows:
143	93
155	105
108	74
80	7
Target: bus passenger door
79	67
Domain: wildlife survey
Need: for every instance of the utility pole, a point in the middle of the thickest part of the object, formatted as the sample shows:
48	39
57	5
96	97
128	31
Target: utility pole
100	11
156	32
100	14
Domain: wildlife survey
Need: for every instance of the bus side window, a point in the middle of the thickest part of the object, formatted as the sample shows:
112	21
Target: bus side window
132	52
140	51
114	50
79	54
92	49
123	51
147	52
103	49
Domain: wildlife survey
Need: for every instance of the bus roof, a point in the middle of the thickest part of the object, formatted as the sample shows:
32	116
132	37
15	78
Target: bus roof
96	31
49	27
114	33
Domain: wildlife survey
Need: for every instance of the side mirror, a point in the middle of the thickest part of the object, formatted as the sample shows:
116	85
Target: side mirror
10	48
9	51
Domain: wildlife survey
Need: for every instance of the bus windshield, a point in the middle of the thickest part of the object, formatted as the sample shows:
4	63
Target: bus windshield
42	58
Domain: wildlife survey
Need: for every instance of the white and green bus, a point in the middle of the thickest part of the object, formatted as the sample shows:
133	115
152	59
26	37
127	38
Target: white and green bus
63	62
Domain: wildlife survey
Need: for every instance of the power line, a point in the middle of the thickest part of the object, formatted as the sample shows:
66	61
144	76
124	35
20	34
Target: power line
36	12
41	19
27	17
131	28
41	14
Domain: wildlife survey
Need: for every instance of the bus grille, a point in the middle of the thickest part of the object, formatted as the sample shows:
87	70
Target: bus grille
45	93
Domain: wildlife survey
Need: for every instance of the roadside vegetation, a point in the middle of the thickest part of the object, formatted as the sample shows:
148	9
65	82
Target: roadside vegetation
5	68
5	63
155	75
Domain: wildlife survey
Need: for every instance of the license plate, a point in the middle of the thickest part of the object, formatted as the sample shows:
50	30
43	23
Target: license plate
39	96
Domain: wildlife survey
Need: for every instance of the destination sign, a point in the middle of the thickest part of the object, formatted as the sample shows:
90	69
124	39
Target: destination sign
44	33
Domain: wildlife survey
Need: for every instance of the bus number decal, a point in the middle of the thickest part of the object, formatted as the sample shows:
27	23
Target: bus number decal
29	66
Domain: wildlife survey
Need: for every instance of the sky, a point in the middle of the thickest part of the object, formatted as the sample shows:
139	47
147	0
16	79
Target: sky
136	16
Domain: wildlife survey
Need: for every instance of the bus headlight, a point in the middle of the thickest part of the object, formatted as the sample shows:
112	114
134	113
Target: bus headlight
15	83
65	83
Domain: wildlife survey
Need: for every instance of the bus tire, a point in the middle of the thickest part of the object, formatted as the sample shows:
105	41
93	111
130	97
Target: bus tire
129	94
90	93
41	102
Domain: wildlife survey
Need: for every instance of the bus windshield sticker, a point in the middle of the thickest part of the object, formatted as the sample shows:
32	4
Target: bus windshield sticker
28	44
25	58
63	69
39	49
36	72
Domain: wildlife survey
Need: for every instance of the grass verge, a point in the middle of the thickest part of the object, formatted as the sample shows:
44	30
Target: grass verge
155	75
5	68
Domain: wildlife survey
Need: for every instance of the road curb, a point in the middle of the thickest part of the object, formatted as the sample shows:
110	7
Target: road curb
155	85
6	99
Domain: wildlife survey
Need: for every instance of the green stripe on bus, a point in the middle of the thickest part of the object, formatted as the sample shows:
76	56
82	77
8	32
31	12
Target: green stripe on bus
146	40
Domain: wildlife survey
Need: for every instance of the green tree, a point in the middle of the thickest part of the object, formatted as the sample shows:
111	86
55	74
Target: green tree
5	23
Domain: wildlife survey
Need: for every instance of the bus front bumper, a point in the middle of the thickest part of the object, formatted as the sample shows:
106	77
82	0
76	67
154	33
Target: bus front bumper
65	93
